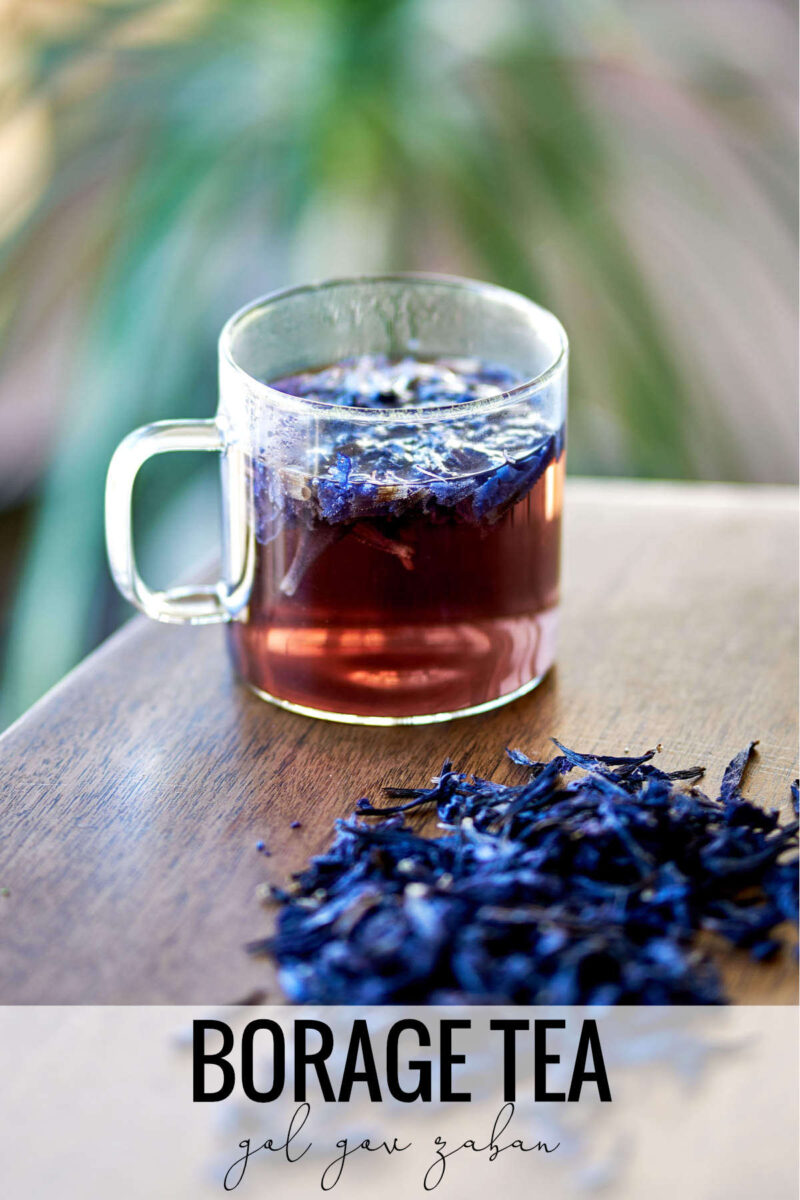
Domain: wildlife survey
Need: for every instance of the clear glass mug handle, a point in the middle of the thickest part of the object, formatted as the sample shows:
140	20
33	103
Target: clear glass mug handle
180	605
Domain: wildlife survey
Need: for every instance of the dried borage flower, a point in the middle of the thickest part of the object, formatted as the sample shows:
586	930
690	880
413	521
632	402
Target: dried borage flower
554	891
374	487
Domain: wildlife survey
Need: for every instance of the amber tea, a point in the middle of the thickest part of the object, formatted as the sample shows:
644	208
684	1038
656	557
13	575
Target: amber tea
407	575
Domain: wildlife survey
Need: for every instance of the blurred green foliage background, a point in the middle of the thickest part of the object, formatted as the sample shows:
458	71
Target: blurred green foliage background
631	165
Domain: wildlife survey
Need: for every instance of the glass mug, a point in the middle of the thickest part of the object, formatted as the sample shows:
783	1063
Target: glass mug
380	565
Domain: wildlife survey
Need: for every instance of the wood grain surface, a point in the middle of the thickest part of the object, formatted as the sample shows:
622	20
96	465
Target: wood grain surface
134	793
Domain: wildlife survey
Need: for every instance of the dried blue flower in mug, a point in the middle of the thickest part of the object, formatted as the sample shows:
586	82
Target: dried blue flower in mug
562	889
376	485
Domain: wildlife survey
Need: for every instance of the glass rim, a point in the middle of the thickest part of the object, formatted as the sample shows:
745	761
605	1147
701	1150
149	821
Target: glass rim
422	413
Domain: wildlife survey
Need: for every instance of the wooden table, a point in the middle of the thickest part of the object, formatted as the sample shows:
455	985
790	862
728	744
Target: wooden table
133	794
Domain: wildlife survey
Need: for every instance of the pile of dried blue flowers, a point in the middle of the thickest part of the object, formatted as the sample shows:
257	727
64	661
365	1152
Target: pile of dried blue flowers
590	889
